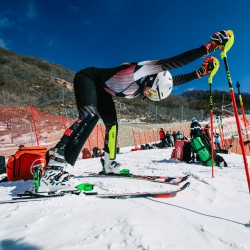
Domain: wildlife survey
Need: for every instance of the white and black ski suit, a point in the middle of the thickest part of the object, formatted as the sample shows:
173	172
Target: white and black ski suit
94	88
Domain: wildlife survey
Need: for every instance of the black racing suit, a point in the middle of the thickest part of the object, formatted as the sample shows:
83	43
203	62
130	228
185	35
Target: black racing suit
94	87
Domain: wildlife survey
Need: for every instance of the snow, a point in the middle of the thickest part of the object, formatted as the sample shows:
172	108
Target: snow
210	214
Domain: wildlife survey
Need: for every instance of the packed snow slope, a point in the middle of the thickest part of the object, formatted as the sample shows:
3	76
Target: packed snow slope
210	214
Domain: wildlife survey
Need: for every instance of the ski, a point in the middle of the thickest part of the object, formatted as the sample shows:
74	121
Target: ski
166	194
42	196
159	179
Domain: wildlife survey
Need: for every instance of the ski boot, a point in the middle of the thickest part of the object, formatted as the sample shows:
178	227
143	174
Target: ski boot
112	167
53	176
36	181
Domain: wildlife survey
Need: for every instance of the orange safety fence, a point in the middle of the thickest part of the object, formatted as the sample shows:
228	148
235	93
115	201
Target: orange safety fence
227	129
233	145
152	136
142	138
29	126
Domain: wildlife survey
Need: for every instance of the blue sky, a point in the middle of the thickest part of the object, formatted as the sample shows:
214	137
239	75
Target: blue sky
104	33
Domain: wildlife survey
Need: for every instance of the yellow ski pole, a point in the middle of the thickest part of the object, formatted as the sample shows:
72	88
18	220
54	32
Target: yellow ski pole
210	81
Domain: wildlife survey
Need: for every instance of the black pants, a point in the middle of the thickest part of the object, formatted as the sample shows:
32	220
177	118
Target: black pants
88	93
91	98
163	143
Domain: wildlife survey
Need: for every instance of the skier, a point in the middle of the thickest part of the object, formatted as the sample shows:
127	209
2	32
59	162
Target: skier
162	138
169	140
195	129
94	88
217	141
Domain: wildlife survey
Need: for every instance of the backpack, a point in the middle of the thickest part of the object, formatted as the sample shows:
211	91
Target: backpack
203	150
20	166
178	150
202	147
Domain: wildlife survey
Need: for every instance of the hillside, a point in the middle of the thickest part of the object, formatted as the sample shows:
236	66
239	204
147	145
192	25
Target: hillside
28	81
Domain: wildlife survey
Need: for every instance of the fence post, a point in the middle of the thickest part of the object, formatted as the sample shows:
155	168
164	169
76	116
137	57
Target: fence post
97	135
89	145
134	138
12	141
34	123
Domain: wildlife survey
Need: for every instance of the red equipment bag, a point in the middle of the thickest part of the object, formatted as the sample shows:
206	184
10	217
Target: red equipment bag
20	166
178	150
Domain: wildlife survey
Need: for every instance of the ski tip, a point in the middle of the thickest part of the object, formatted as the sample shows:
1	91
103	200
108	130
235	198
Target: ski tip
185	185
185	178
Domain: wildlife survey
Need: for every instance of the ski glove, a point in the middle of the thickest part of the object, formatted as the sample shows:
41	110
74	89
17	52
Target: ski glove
206	68
218	39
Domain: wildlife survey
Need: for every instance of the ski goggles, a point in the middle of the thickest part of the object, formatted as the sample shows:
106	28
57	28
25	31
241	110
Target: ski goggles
153	94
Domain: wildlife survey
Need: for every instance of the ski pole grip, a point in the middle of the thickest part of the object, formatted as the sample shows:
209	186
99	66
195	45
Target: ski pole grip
228	45
214	71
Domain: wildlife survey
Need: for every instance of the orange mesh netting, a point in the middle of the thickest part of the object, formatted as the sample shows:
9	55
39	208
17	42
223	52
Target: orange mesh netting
29	126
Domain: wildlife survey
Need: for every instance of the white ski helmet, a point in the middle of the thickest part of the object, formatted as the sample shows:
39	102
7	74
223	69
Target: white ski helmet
162	86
